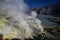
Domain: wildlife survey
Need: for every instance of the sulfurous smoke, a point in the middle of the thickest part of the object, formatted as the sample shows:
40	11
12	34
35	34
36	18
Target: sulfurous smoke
14	12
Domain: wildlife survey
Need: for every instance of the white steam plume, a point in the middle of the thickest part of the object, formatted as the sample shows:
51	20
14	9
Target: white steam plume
16	10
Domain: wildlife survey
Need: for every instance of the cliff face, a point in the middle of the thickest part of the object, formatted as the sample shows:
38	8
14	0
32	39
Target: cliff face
50	12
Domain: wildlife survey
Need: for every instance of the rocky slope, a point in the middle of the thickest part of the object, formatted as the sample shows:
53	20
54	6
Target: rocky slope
50	12
50	15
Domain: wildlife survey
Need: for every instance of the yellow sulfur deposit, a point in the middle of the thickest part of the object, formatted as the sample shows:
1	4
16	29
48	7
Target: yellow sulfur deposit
8	32
11	32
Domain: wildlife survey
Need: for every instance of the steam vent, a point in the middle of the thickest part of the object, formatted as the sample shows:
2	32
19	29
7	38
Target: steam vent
19	22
